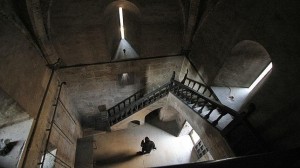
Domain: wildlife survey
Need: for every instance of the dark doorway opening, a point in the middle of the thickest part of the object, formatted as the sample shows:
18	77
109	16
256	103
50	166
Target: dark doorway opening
170	127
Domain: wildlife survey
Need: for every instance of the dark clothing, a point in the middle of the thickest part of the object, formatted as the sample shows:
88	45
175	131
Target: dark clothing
147	146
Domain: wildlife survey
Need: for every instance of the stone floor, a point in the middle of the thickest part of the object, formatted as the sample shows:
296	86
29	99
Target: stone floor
119	148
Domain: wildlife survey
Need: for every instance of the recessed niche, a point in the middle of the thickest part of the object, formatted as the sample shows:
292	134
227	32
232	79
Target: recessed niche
126	78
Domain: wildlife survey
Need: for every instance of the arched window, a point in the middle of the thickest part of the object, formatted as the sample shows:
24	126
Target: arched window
247	60
247	64
122	29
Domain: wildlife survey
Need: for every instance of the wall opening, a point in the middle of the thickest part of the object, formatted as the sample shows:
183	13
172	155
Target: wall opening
49	161
194	136
122	30
246	67
243	65
261	76
121	23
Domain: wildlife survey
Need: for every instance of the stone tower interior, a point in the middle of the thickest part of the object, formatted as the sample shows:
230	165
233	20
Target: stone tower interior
82	82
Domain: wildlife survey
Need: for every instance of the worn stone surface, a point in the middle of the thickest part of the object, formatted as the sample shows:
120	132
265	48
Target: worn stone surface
64	132
119	148
21	66
211	138
97	85
243	65
76	32
192	72
24	78
226	25
168	113
140	115
10	110
83	33
274	25
84	152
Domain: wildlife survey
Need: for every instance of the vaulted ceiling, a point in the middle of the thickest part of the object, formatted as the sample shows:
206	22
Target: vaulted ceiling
85	35
83	32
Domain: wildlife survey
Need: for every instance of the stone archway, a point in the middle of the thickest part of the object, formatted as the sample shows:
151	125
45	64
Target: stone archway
244	64
128	47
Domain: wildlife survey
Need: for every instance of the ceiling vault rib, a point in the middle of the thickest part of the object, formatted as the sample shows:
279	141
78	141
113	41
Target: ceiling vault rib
191	23
40	31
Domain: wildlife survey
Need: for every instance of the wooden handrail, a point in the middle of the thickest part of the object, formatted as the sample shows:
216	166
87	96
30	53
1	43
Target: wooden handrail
219	116
124	102
135	106
213	102
203	85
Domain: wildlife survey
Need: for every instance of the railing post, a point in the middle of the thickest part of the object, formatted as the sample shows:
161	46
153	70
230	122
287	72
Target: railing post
209	113
185	76
173	76
214	123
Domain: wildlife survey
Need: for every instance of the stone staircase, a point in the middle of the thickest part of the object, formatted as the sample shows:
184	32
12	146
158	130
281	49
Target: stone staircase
202	101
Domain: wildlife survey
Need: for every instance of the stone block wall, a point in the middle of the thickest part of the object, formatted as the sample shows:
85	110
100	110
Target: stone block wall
10	110
192	72
65	129
24	77
274	26
213	140
96	85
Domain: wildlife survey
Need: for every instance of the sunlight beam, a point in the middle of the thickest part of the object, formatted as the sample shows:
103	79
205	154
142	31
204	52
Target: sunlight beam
121	23
261	76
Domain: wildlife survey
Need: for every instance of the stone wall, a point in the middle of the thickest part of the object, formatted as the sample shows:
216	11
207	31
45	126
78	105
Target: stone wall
212	138
65	130
95	85
167	113
10	110
23	72
192	72
24	77
274	26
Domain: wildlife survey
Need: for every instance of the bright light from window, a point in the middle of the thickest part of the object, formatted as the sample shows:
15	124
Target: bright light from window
261	76
125	77
121	23
195	137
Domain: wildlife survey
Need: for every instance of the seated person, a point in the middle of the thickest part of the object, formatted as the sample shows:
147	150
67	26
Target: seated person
147	145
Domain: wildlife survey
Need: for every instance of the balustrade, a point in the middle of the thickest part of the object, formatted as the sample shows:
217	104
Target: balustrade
195	95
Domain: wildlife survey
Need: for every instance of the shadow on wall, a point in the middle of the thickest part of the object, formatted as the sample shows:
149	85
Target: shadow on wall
167	126
10	111
116	158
